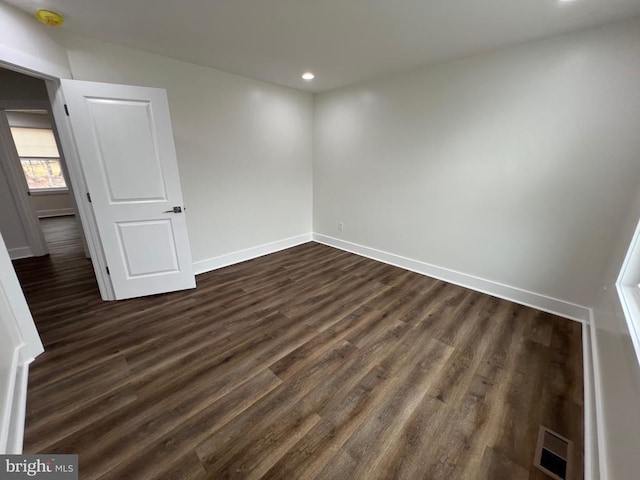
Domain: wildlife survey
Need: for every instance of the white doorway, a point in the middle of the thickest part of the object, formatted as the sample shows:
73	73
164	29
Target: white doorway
32	166
121	169
32	162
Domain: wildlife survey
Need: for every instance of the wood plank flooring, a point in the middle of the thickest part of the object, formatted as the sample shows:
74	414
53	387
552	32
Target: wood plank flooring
311	363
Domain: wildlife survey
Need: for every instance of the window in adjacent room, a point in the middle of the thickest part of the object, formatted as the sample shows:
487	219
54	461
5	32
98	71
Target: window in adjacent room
39	157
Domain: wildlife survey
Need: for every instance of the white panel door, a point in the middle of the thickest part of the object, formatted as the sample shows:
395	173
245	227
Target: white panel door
125	143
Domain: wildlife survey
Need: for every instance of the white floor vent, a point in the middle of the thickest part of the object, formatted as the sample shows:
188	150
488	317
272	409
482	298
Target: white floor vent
553	453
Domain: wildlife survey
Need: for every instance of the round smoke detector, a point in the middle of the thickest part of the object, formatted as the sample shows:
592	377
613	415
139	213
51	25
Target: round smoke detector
50	18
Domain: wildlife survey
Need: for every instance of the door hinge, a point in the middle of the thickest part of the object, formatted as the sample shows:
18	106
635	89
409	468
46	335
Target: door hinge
89	197
108	272
66	109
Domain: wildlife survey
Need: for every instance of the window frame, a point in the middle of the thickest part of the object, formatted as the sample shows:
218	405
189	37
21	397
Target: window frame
48	191
628	289
42	190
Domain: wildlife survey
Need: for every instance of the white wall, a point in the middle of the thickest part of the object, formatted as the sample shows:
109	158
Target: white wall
27	43
514	166
244	147
52	204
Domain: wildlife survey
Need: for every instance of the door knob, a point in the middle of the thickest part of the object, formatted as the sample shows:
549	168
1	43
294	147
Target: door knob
175	210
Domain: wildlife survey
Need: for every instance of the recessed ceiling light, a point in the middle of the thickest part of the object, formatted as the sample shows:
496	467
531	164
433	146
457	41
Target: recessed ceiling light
308	76
565	1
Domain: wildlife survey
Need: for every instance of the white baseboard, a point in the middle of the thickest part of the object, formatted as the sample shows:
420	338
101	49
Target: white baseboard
20	252
214	263
513	294
523	297
56	212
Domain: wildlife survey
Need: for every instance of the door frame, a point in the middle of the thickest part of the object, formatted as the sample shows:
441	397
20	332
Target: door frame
18	188
80	190
78	187
28	216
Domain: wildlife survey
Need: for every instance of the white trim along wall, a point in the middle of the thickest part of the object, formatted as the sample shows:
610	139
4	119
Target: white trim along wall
19	345
530	299
514	294
239	256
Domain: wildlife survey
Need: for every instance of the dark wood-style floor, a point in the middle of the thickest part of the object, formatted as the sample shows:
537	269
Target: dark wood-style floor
309	363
